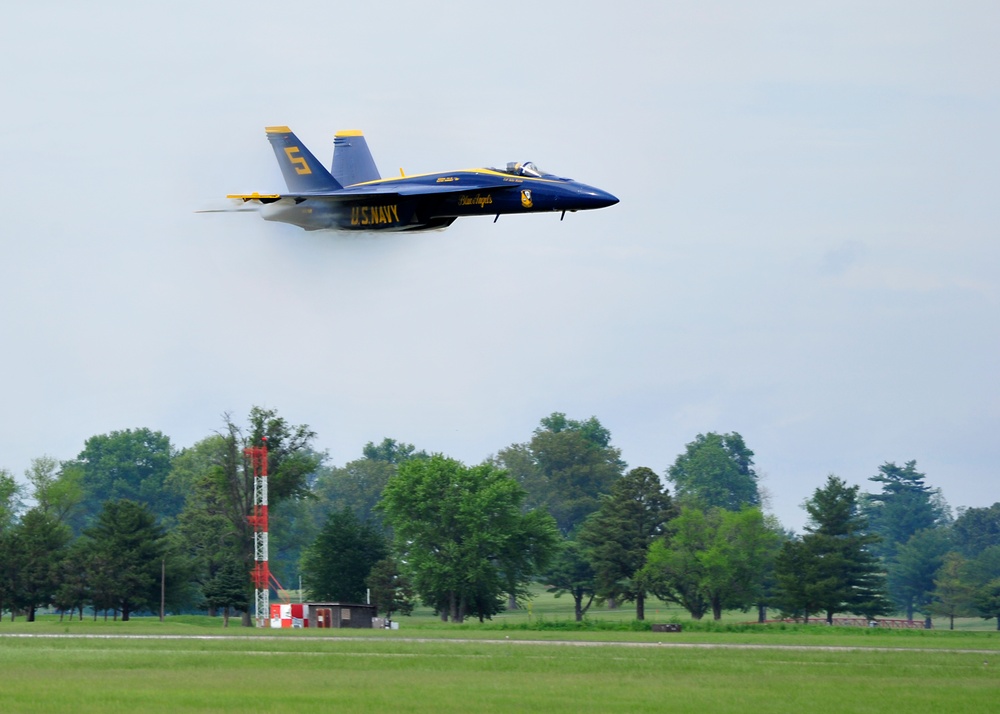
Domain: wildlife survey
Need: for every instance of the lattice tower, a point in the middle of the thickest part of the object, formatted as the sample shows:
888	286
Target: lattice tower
258	520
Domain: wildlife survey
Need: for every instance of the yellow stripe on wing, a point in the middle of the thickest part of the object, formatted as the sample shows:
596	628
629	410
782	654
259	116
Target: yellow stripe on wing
253	196
485	172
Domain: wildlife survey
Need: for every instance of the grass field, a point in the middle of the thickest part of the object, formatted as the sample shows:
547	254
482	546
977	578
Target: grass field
310	674
189	663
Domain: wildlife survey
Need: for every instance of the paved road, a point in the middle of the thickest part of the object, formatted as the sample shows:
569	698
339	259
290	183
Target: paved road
554	643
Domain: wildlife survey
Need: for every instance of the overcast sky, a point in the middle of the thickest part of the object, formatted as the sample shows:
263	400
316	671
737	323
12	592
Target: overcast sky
806	249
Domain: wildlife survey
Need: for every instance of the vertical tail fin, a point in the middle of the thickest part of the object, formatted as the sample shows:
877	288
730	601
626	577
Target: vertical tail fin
302	172
352	161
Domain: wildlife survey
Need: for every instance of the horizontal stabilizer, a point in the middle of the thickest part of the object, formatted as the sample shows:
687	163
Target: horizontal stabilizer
237	203
258	197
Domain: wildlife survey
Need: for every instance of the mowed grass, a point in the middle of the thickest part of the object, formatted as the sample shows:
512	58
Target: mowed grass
311	674
528	660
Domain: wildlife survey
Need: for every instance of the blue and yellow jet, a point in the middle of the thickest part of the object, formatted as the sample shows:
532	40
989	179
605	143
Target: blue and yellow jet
352	195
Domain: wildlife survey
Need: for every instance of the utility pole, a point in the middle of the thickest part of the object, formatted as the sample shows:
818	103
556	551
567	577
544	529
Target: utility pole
163	586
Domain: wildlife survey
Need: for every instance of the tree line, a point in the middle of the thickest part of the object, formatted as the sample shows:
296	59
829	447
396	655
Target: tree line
133	522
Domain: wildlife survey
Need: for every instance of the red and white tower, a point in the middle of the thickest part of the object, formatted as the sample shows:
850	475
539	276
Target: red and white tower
261	571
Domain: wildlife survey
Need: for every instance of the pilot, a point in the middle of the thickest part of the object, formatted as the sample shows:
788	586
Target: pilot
528	168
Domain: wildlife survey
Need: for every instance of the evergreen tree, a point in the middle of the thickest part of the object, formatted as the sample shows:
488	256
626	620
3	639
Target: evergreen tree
618	535
126	549
986	600
982	573
10	506
953	592
832	568
38	547
338	562
801	583
390	588
904	506
73	592
228	590
911	572
571	572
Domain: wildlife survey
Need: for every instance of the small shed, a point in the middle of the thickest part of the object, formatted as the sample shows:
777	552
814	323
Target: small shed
340	614
322	614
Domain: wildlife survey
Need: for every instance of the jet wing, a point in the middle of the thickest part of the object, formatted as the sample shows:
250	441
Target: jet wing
353	193
417	189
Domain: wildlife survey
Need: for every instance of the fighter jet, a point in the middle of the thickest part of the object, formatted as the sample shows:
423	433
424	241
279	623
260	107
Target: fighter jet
352	196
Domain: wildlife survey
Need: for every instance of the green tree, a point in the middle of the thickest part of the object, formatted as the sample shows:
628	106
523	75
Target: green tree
565	467
768	584
716	471
833	558
390	588
129	464
203	531
126	550
982	573
293	528
714	560
571	572
8	571
977	529
904	506
291	464
911	573
73	592
953	593
58	491
738	560
462	534
392	452
338	562
38	546
618	535
357	485
802	583
228	590
986	600
10	507
11	493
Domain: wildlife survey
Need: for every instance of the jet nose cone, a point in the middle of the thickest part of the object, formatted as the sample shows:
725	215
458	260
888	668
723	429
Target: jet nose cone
604	199
596	198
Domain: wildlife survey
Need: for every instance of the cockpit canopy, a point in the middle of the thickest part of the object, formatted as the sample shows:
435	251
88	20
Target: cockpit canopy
528	168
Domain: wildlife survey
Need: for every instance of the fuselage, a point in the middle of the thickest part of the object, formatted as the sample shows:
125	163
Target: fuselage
434	201
352	196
